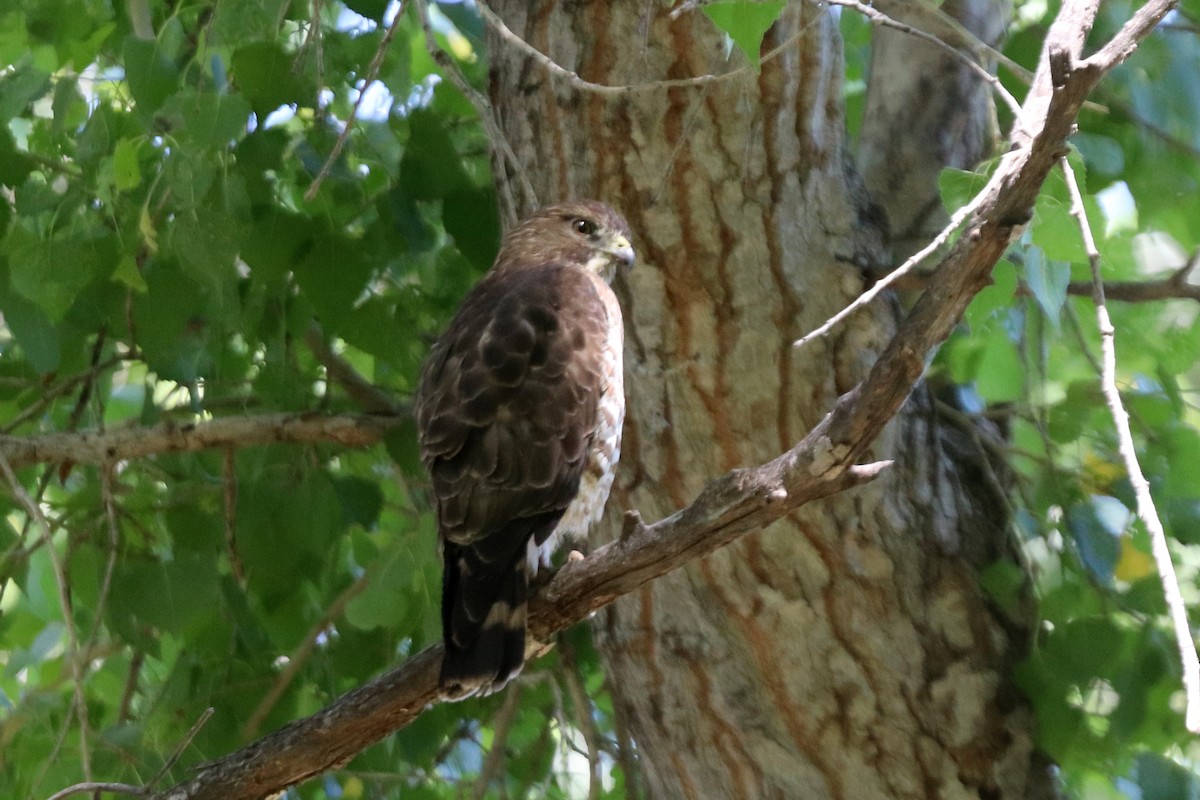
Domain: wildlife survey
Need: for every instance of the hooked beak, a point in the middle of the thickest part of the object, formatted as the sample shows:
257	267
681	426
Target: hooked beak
623	250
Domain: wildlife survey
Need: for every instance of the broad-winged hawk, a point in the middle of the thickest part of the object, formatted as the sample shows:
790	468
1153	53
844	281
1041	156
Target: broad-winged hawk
519	413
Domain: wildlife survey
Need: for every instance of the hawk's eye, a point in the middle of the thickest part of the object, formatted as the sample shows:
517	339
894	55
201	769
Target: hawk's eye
583	226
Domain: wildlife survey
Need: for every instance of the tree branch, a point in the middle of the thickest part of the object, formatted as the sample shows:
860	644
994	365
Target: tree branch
98	447
1146	509
1003	207
742	501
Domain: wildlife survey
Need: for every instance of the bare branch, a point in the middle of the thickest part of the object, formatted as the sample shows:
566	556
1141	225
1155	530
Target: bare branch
183	744
1146	509
583	713
1139	291
506	33
1173	287
97	787
52	393
98	447
1126	40
896	275
493	764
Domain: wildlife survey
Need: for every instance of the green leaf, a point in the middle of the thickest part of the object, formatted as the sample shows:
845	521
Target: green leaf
235	24
401	444
276	243
172	323
1006	583
995	300
1102	154
52	272
361	500
206	242
19	88
371	9
266	77
1048	281
152	77
127	172
1160	778
745	22
472	218
332	275
385	601
212	120
165	595
999	375
1095	526
127	272
15	166
285	525
431	167
33	330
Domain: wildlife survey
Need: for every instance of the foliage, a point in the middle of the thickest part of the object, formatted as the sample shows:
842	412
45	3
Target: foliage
1103	671
160	260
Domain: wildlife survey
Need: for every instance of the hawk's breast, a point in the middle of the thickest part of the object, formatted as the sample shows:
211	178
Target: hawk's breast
604	451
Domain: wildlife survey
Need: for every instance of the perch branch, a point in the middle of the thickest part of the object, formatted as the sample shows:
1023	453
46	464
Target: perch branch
742	501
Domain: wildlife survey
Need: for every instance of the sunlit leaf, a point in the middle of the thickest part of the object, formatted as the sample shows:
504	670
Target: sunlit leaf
745	23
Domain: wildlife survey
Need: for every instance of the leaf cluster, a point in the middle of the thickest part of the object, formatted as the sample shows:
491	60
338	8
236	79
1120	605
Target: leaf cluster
160	261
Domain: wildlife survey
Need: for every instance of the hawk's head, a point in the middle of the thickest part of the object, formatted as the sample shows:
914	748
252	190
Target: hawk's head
585	233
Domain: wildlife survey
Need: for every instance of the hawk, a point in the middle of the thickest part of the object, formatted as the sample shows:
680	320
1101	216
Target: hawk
519	412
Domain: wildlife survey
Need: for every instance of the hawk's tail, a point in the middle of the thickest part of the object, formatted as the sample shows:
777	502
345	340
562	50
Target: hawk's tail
483	622
483	606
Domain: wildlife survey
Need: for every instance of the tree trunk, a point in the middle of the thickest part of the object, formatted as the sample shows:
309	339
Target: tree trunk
848	652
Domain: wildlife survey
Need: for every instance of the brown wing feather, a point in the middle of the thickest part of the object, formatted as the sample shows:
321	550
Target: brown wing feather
506	405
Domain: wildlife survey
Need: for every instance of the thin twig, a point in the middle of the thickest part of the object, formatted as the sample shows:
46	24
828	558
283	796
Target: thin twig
369	397
300	655
229	497
1146	510
48	396
369	78
879	18
179	748
100	786
484	108
583	713
136	661
493	764
892	277
554	68
313	40
114	545
74	654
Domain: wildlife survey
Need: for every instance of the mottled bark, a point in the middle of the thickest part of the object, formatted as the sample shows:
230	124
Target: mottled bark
847	651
